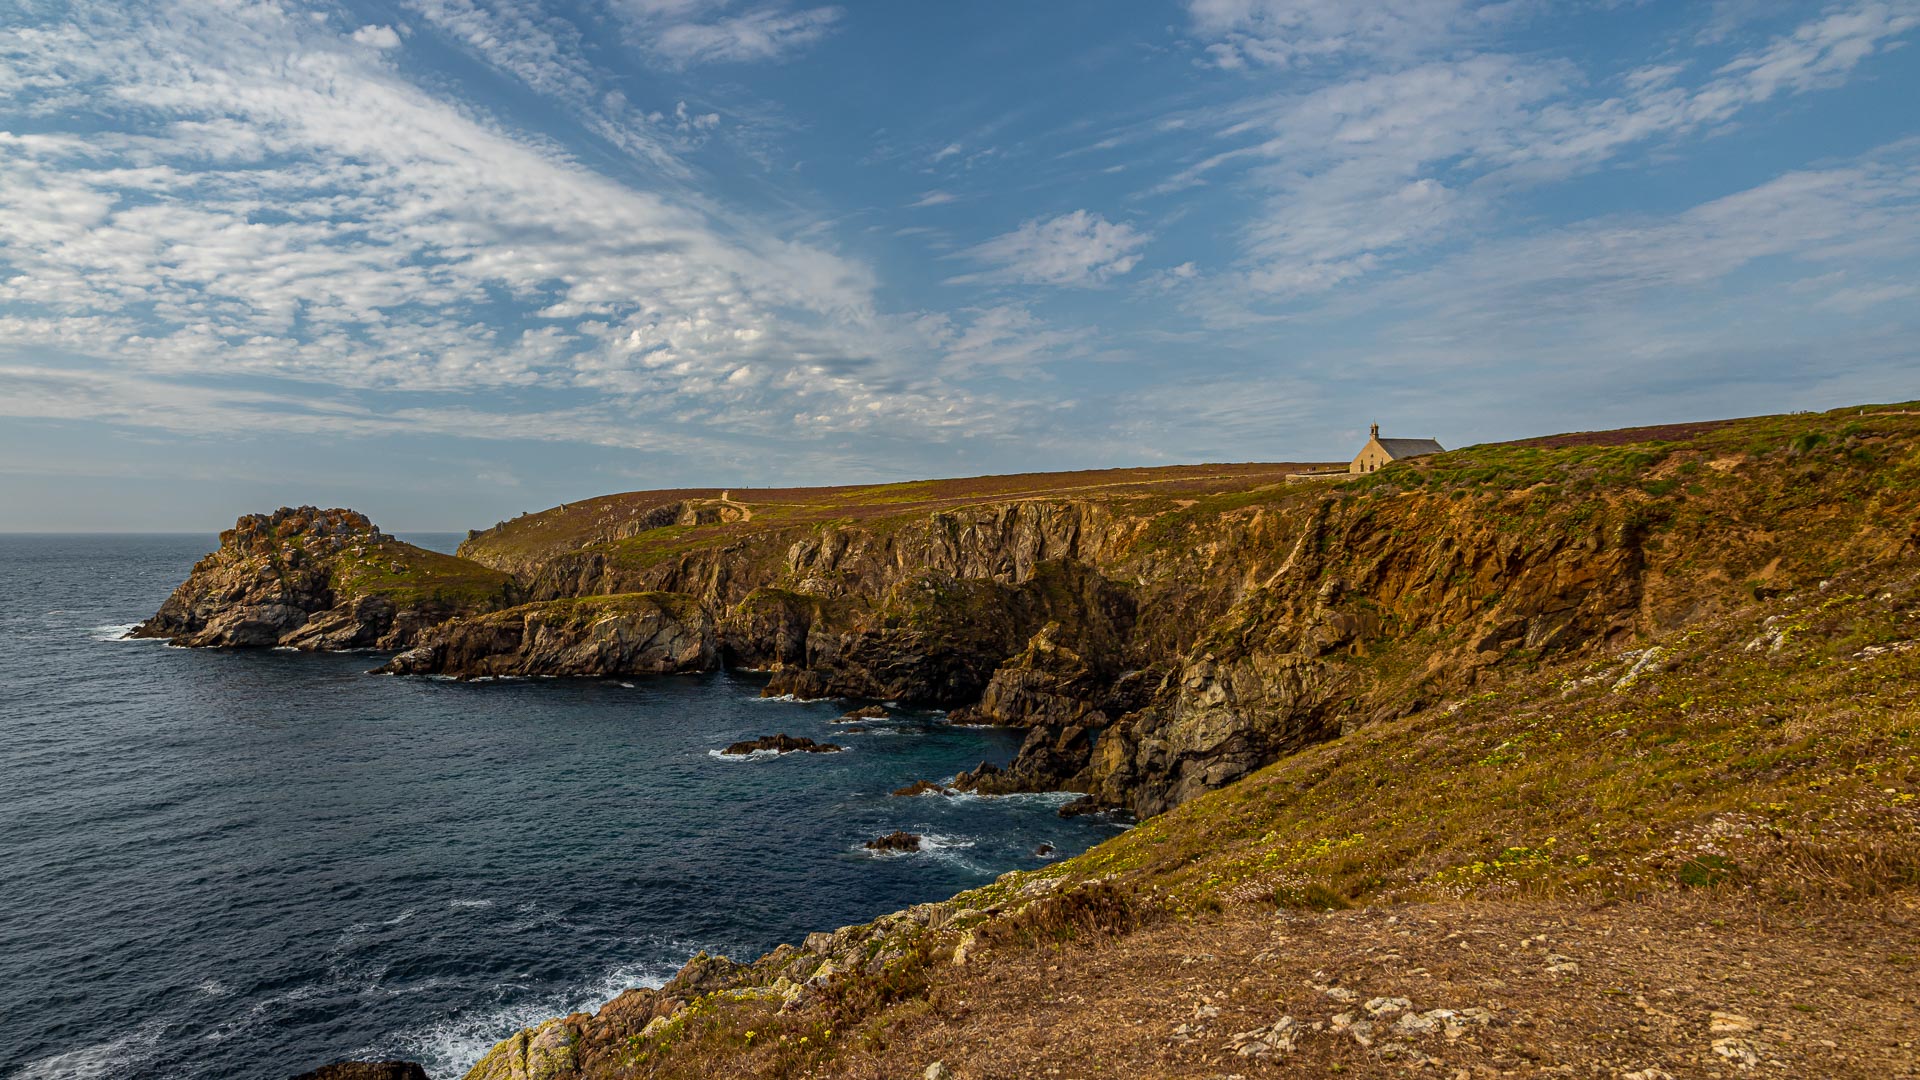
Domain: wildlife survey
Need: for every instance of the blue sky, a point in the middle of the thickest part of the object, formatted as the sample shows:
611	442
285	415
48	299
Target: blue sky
448	260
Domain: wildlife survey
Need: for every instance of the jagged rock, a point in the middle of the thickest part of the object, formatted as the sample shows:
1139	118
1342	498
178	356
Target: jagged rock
779	744
895	841
768	629
545	1052
923	787
703	974
866	712
934	638
1085	804
367	1070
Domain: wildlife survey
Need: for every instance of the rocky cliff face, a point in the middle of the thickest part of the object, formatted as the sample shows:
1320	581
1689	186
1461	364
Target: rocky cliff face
1155	643
630	634
320	580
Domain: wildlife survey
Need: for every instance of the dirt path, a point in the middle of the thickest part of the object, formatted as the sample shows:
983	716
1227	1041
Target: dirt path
1675	988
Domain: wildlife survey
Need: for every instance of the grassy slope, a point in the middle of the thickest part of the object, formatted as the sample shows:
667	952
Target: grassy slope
1770	750
409	575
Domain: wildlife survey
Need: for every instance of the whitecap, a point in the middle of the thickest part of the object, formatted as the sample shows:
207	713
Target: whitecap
768	755
113	1058
454	1045
116	633
1020	798
756	755
939	846
470	903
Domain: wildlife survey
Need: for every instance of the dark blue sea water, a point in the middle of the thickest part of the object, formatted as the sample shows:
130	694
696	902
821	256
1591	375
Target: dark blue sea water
249	864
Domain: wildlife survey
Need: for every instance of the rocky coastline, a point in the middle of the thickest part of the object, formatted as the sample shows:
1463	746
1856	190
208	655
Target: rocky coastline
1155	647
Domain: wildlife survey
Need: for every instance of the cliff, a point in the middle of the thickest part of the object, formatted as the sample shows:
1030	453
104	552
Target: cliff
1160	632
1525	683
1163	632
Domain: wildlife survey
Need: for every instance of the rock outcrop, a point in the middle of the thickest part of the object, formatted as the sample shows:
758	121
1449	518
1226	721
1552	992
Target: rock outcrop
779	744
894	841
320	580
630	634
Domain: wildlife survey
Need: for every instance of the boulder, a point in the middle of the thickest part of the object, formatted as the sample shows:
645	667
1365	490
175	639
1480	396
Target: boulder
895	841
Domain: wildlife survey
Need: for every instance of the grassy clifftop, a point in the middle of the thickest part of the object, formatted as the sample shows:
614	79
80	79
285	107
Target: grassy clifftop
644	524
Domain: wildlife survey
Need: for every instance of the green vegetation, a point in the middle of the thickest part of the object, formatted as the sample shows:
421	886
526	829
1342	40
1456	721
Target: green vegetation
409	575
1790	768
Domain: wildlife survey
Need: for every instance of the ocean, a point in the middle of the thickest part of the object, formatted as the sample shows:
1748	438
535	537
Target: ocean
249	864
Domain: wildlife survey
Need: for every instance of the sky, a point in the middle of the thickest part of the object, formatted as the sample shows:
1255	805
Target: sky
446	261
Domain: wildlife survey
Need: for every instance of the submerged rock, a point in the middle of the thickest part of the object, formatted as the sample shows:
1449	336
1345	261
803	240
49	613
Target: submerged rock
895	841
780	744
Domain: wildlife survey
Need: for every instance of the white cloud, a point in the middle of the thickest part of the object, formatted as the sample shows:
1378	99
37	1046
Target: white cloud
1080	248
1862	213
1287	32
1007	338
377	37
326	222
1362	172
933	198
519	39
675	32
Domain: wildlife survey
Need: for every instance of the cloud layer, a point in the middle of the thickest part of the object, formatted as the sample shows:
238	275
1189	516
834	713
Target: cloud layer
783	241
